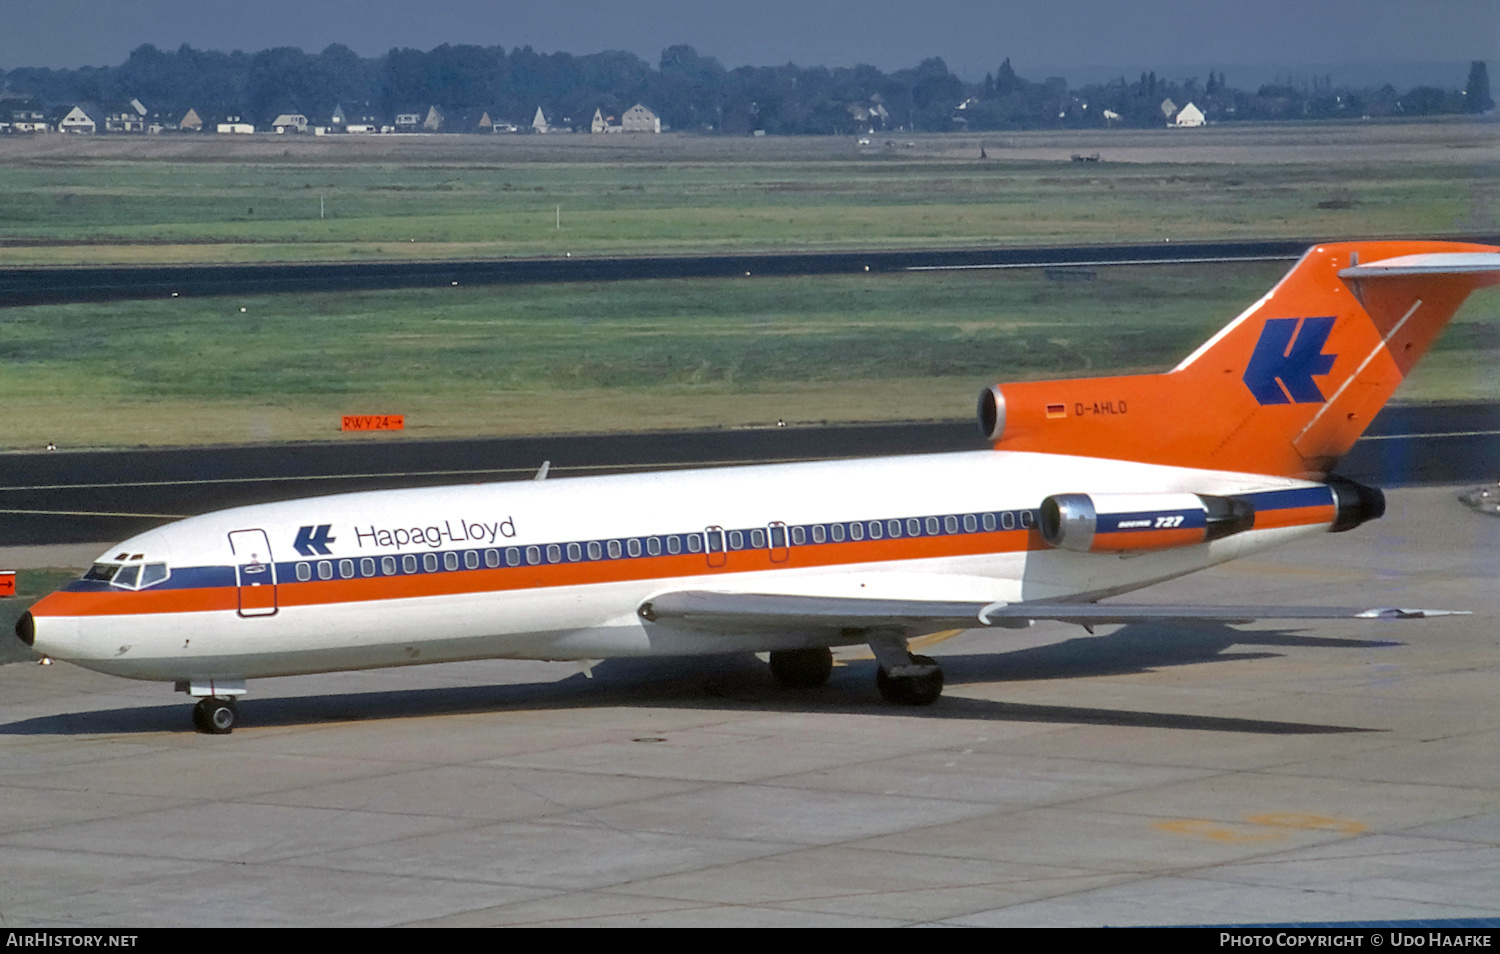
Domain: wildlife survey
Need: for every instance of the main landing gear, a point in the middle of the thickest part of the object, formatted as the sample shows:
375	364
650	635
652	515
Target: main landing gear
215	716
903	679
802	668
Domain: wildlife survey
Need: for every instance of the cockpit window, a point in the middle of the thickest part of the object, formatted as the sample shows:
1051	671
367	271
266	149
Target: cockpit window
131	576
102	572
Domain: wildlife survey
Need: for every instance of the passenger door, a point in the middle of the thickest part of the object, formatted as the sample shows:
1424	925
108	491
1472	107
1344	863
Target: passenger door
255	572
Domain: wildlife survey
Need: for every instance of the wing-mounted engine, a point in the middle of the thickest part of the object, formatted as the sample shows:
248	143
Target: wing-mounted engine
1110	523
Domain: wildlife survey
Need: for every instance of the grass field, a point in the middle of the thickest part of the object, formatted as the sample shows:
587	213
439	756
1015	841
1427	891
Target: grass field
649	355
64	200
621	356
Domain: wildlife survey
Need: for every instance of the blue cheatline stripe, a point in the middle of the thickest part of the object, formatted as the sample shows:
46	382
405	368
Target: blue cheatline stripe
602	550
1320	496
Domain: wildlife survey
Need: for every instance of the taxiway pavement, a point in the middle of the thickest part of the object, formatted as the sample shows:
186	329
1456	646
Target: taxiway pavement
1149	775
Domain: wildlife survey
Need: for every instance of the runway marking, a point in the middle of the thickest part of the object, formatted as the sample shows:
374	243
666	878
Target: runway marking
1281	825
1098	264
918	643
1403	437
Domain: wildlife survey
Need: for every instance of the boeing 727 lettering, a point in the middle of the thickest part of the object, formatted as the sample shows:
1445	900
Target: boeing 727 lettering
1093	488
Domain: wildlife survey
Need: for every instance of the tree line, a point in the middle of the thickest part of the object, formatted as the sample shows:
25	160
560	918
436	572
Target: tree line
688	90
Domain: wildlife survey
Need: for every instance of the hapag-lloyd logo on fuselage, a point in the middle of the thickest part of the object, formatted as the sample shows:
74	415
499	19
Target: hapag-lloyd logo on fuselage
1287	357
449	532
317	540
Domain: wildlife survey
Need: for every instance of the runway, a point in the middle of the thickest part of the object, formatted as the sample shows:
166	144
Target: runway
1151	775
90	496
57	285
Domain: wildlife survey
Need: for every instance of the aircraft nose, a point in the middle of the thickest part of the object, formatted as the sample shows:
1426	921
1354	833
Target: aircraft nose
26	629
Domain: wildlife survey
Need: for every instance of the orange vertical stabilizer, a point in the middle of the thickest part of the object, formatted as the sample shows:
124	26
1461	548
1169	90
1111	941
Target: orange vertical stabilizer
1286	388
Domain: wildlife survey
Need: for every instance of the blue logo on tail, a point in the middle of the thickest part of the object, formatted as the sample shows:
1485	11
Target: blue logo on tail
1282	369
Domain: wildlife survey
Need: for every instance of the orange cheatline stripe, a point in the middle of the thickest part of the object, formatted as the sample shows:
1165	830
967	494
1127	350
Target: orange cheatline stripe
1294	517
320	592
1149	539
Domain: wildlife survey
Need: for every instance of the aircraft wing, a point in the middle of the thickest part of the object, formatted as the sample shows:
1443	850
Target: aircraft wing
705	609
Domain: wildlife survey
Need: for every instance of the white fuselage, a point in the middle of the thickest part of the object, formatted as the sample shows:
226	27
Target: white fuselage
556	569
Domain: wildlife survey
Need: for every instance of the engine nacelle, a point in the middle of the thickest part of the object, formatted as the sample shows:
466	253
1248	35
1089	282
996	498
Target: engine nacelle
1110	523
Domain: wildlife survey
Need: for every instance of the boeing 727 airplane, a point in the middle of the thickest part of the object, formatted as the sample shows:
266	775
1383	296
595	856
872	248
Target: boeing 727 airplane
1094	488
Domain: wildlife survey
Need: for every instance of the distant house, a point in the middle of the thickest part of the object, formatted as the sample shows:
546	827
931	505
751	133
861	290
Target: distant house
1189	116
28	120
870	115
233	125
539	122
434	120
128	118
190	122
640	119
408	122
79	118
1168	109
289	122
604	124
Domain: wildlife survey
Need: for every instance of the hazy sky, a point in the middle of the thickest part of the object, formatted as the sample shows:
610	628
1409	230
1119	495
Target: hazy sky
971	35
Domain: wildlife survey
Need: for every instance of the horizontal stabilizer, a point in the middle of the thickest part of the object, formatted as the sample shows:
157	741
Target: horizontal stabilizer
1432	263
700	608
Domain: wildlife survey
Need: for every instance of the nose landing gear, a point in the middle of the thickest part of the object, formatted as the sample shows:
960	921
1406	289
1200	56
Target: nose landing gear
903	678
920	684
215	716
